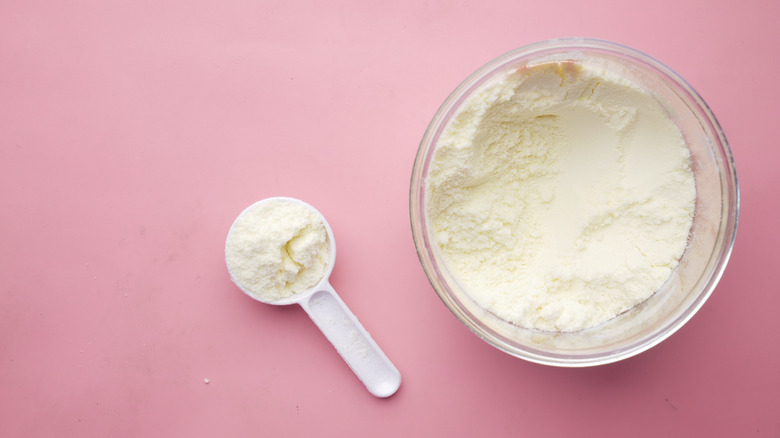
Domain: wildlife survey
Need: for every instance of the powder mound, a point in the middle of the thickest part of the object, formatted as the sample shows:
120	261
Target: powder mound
277	248
560	196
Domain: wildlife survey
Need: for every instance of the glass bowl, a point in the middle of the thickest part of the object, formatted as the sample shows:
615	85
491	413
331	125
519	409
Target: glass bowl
701	266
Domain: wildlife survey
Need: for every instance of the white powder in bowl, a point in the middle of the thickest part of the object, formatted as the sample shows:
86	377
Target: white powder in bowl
277	248
560	197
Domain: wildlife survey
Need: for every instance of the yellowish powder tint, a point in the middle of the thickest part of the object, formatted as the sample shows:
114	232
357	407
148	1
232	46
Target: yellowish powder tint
277	248
560	196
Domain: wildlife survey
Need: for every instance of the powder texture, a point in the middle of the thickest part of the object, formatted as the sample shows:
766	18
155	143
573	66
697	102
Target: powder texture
560	196
277	248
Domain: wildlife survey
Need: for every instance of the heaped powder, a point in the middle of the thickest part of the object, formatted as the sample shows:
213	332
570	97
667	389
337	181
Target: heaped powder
560	197
277	248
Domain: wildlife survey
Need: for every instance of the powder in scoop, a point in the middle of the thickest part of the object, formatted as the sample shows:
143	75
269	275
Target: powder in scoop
277	248
560	196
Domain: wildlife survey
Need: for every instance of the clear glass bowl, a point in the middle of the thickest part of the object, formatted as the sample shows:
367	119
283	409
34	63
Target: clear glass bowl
701	266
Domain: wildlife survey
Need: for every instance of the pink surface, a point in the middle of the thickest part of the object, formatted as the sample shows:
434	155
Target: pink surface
133	133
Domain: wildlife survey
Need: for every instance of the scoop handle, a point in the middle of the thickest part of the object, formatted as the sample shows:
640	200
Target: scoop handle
352	341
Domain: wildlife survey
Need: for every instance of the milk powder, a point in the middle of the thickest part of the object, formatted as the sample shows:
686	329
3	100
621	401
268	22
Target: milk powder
277	248
560	196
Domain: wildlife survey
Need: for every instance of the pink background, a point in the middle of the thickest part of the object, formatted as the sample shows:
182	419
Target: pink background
133	132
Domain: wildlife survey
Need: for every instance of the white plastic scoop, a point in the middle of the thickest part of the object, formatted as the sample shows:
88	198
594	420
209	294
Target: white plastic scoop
335	320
